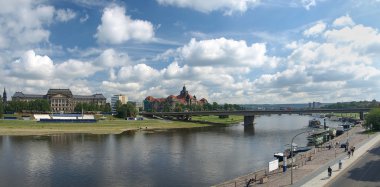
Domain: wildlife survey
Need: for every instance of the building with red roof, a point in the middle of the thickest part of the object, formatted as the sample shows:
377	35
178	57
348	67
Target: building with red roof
173	103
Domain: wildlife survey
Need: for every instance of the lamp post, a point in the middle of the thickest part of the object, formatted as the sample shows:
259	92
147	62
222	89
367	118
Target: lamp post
291	154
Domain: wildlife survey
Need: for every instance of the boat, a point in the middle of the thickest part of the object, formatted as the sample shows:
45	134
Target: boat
296	149
318	138
302	149
314	123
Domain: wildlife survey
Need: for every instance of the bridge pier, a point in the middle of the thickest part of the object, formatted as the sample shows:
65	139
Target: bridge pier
361	114
248	120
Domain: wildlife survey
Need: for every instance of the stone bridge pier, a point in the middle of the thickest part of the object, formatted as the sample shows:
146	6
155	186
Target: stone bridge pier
361	114
248	120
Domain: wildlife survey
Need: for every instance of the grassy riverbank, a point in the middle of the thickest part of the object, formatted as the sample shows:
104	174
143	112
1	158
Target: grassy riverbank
215	119
28	127
21	127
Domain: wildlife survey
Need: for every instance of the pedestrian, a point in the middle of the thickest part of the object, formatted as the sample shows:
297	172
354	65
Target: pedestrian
329	146
340	164
349	154
352	151
329	171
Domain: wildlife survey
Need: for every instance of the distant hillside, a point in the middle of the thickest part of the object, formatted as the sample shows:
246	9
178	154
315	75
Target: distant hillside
339	105
353	104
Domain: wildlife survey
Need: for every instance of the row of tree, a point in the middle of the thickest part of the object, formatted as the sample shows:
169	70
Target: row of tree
179	107
1	107
353	104
38	105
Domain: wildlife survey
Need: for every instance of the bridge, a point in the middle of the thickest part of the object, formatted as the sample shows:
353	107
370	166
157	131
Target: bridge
249	115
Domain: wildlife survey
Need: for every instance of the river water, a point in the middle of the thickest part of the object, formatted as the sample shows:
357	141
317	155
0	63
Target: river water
185	157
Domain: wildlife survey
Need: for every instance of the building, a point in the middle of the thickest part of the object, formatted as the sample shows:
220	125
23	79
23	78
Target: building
171	102
122	98
62	100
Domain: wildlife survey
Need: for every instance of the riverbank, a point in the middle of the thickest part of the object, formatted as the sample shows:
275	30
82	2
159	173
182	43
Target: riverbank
307	165
29	127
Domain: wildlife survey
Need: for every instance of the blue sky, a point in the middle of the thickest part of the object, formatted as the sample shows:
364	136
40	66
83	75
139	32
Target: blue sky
234	51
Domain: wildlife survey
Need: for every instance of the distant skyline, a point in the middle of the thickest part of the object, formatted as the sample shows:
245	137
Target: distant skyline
230	51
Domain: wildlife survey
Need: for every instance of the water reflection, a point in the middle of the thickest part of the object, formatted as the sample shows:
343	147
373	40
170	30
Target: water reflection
185	157
249	130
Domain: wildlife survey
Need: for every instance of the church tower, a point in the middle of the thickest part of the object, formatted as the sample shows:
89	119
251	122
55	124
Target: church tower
4	97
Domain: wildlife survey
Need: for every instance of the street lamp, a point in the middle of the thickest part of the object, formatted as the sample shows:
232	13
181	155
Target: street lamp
291	154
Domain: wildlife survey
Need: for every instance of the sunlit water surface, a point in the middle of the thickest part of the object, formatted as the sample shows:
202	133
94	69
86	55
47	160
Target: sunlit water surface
185	157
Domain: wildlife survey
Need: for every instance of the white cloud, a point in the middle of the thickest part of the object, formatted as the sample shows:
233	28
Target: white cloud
316	29
84	18
139	72
308	3
227	6
111	58
222	52
65	15
23	23
359	36
72	69
343	21
32	66
117	27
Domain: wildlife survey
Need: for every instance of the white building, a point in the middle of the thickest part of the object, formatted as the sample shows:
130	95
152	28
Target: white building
122	98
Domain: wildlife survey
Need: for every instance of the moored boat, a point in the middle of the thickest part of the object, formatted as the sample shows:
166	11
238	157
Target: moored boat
314	123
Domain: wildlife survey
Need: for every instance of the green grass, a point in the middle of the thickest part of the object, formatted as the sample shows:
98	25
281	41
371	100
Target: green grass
21	127
350	115
216	119
109	126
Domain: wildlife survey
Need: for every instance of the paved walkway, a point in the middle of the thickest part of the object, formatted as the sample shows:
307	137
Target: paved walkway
321	179
313	172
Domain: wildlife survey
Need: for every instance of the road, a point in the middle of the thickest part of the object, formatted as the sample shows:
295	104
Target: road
365	172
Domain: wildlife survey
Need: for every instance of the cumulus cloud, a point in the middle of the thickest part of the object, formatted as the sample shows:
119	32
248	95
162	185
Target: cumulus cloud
32	66
23	23
139	72
343	21
359	36
111	58
72	69
222	52
116	27
315	30
227	6
65	15
335	67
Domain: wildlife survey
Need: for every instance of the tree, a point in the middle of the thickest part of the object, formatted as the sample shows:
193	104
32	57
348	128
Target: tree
118	104
372	119
126	110
1	107
215	106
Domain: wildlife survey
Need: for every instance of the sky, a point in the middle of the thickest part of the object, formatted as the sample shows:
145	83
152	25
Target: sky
227	51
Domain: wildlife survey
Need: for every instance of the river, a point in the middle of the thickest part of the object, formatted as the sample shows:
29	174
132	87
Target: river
184	157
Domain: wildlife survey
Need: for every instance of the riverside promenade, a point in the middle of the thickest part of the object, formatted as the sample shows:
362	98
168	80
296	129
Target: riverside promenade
310	169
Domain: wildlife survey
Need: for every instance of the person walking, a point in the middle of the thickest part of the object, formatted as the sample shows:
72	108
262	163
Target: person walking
349	153
329	171
340	164
352	151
